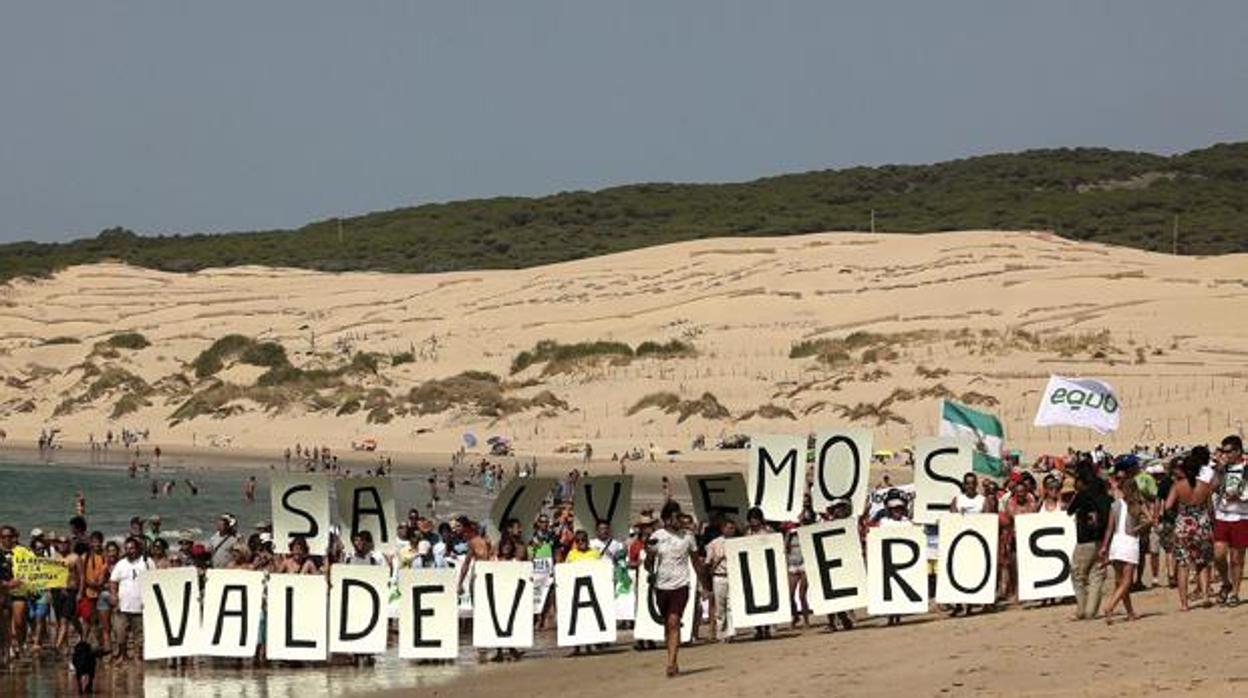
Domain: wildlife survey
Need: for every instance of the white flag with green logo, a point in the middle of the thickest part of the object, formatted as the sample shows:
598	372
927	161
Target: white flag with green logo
980	428
1079	402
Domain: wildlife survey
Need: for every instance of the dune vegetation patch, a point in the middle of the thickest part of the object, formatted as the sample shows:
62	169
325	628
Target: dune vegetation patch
870	413
707	406
97	383
240	348
878	347
564	358
128	340
479	393
768	411
870	347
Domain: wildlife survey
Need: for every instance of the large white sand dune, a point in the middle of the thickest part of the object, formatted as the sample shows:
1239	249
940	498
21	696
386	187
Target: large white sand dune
997	311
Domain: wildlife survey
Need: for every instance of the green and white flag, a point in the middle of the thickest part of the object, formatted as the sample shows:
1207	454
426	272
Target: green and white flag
980	428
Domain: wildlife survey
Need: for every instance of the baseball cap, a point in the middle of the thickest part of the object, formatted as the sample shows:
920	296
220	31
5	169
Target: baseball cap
1126	463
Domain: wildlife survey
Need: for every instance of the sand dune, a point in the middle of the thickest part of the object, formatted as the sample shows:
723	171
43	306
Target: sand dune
979	314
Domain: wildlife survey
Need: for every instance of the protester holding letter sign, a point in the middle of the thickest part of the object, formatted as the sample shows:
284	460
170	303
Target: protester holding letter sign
777	470
283	607
938	476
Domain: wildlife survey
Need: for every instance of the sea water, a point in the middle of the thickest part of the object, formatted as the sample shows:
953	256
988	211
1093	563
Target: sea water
40	492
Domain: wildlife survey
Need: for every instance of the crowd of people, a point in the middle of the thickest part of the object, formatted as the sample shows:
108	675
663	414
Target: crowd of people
1184	516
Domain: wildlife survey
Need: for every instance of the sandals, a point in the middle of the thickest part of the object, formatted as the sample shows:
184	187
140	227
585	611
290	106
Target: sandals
1232	601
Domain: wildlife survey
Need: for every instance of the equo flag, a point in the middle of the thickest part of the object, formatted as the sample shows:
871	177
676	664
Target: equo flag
1079	402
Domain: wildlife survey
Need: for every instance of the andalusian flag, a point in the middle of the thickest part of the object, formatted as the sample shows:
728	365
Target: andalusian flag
981	428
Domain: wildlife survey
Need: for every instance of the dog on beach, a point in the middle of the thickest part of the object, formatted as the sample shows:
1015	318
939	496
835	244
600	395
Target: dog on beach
83	660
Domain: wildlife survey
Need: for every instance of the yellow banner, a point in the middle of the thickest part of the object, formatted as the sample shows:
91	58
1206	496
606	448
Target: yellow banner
38	573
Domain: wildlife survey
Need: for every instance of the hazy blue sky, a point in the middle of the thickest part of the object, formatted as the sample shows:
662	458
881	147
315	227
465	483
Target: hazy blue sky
201	116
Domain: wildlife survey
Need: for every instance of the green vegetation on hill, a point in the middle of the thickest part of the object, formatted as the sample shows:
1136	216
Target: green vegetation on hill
561	358
1108	196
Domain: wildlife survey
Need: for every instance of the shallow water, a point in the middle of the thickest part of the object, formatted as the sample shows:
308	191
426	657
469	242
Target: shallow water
41	493
51	678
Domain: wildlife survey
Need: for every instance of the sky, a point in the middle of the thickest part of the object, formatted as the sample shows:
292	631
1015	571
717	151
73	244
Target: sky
177	117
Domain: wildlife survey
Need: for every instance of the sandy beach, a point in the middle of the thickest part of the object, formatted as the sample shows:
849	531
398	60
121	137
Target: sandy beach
979	316
782	335
1033	651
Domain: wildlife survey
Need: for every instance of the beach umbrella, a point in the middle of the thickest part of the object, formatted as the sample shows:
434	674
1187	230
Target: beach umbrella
470	439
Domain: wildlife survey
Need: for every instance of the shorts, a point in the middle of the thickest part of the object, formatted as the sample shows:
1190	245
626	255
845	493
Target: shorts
38	608
671	601
130	624
104	603
1233	533
86	608
65	601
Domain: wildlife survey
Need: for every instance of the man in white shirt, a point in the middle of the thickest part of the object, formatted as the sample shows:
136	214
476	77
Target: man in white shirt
1230	518
126	585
